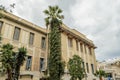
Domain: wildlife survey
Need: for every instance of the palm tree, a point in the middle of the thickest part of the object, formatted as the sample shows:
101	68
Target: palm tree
7	9
2	8
7	59
53	13
100	73
20	58
54	21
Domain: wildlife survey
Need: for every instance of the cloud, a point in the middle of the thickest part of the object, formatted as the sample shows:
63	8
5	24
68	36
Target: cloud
99	20
31	10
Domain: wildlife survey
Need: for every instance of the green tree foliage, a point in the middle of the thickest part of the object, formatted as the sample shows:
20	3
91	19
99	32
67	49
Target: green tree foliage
20	58
7	59
53	13
8	9
54	20
12	61
6	56
100	73
2	8
75	68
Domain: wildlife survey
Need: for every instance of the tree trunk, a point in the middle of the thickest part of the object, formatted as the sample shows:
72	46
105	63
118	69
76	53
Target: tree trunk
9	74
17	72
101	78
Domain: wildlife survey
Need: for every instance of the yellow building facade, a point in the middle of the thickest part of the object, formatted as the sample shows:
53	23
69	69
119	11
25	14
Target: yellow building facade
19	33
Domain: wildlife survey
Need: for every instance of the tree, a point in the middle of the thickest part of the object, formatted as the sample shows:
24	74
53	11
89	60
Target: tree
6	46
8	9
7	59
100	73
2	8
12	61
19	60
75	68
54	21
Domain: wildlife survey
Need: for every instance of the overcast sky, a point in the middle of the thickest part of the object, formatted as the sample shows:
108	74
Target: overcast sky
99	20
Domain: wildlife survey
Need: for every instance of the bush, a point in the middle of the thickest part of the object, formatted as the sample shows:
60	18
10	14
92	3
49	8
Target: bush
44	78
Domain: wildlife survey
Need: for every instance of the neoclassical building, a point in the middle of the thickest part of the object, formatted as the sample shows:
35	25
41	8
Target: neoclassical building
19	33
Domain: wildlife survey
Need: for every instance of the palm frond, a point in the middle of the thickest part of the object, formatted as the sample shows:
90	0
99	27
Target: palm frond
53	13
12	5
47	21
60	22
2	8
46	12
50	7
21	55
56	7
60	17
59	11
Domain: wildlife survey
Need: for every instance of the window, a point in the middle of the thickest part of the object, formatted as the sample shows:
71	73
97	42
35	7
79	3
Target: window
16	33
28	63
70	42
43	43
87	66
83	65
1	23
92	68
31	38
77	47
41	64
81	47
90	51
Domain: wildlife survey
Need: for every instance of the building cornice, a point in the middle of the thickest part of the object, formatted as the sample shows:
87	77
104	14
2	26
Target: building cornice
77	36
81	37
21	21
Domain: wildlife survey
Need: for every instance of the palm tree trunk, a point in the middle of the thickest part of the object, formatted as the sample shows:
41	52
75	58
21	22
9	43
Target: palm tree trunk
101	78
79	79
9	74
17	73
